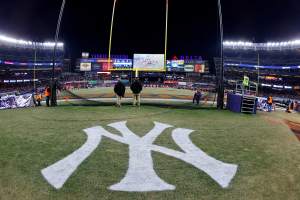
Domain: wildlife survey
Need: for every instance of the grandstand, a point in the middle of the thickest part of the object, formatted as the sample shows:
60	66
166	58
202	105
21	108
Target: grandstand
23	63
275	66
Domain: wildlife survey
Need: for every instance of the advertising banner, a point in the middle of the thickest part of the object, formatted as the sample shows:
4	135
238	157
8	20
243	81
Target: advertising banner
122	65
199	68
148	62
175	65
85	67
189	68
85	55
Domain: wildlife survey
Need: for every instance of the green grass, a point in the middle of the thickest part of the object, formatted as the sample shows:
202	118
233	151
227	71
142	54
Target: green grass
267	152
105	90
163	93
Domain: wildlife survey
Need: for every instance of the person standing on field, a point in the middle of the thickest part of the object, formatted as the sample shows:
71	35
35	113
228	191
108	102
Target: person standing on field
136	88
197	97
47	95
38	98
119	90
270	103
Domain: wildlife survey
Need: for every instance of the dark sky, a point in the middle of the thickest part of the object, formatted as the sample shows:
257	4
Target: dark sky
139	24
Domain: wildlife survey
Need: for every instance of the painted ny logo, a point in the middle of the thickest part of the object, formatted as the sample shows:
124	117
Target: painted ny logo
140	176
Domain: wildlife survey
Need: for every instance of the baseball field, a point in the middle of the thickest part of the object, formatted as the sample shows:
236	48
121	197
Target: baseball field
262	147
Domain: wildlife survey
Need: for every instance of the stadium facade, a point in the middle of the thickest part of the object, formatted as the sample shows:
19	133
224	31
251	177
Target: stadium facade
124	66
275	66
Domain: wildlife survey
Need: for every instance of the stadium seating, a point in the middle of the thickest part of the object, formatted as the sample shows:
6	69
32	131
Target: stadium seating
278	69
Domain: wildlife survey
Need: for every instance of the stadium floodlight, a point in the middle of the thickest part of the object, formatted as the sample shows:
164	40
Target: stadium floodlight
228	43
32	44
297	42
14	41
52	44
257	66
266	85
266	46
238	43
277	86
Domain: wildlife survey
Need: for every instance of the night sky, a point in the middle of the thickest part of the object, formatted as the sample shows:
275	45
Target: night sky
139	24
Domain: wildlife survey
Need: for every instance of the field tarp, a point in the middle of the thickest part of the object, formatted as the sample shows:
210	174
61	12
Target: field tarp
16	101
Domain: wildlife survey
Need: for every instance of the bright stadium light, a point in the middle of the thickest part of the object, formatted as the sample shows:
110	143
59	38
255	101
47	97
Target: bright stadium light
52	44
238	43
12	40
268	46
278	86
228	43
266	85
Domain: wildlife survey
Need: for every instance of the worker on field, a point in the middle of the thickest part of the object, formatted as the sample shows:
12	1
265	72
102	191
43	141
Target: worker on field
245	83
38	98
119	90
270	103
136	88
197	96
47	95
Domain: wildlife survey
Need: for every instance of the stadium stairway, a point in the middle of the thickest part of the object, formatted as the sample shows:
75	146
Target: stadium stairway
248	104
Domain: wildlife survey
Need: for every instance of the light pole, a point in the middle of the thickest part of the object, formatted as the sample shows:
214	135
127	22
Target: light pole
220	101
53	82
34	68
258	63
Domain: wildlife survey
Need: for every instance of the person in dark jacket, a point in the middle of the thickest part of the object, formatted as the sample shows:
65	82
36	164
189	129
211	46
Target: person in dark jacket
119	90
197	96
136	88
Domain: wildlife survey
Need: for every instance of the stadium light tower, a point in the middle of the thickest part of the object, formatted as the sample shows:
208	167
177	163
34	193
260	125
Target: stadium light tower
34	68
258	71
53	82
220	101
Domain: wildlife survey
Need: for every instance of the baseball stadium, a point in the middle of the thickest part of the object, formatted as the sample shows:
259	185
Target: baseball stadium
149	125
